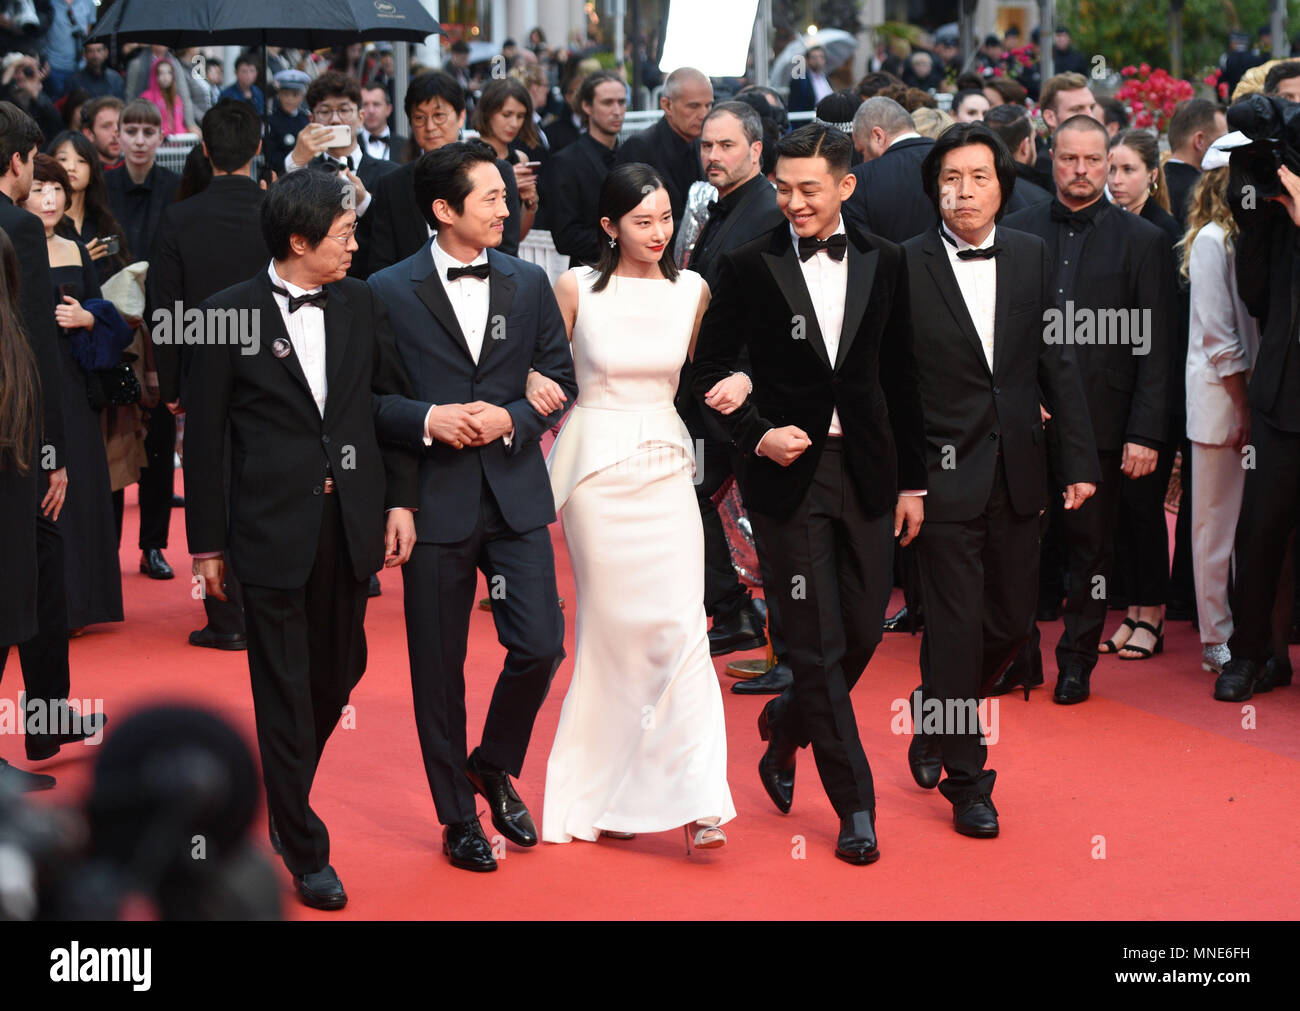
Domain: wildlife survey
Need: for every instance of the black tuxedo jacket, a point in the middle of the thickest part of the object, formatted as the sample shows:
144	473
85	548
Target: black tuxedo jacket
398	228
396	147
977	411
1124	265
761	302
282	449
36	296
530	335
370	172
205	244
888	200
571	190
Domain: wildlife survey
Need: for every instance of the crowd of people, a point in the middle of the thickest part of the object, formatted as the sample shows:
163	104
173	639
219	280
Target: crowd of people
941	352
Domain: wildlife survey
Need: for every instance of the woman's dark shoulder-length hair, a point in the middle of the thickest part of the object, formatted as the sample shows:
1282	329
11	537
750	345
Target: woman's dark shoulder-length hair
623	189
960	135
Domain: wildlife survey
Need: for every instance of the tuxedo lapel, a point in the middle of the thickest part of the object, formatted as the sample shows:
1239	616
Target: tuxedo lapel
270	312
862	272
501	296
941	271
429	290
338	323
783	262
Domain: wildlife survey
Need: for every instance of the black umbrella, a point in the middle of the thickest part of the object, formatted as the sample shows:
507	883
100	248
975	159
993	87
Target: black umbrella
300	24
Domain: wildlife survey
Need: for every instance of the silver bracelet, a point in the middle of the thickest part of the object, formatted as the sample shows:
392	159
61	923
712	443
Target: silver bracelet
749	382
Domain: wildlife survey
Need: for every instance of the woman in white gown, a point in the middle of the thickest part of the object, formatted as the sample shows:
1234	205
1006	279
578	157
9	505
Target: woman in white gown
641	745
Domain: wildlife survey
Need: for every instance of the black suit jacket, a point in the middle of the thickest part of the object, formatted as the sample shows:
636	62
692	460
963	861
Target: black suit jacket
371	171
282	449
1124	265
398	228
571	189
888	200
1026	193
140	218
36	289
977	411
677	160
207	243
530	335
1268	279
1181	179
761	302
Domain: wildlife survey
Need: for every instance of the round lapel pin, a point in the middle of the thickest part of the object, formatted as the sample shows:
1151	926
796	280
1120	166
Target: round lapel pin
280	347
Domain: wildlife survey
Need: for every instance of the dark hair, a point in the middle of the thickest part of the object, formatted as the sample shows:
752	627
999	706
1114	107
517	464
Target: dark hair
1192	115
376	86
245	59
444	175
1012	92
1011	123
1114	111
587	93
1284	71
871	84
301	203
72	102
751	124
493	100
909	98
838	107
962	135
768	117
196	174
141	110
818	141
969	81
18	134
460	47
760	97
231	131
961	96
333	84
621	193
1084	122
46	169
20	383
95	198
91	110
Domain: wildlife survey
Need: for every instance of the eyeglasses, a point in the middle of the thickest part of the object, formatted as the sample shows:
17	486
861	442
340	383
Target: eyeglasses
323	114
346	237
437	119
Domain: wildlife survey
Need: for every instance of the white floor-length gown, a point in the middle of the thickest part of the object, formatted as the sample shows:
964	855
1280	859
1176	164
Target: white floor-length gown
641	745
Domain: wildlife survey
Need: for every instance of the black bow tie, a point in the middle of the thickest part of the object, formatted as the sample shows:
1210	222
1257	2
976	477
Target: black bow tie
836	246
982	253
479	270
296	302
1064	215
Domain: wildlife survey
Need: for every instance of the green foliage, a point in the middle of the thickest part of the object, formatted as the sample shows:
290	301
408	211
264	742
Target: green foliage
1133	31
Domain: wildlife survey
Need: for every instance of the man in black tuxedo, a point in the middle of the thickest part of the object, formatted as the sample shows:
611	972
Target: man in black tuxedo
376	138
834	429
888	200
979	293
471	324
672	145
1268	278
732	154
1113	286
306	523
435	108
33	604
334	99
572	181
206	244
1195	125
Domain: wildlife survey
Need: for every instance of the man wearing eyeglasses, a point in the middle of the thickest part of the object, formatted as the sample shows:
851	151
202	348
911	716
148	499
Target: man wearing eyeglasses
334	99
315	505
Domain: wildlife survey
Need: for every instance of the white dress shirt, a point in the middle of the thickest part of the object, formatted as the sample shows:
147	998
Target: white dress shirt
904	136
306	329
978	281
378	145
353	159
828	281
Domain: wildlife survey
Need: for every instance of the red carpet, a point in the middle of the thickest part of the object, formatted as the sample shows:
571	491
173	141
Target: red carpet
1150	801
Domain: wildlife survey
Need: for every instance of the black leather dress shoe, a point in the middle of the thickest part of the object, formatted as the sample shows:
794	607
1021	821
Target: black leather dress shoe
1024	672
1236	682
42	746
925	759
1072	686
23	782
857	841
375	589
773	681
321	889
154	565
904	620
509	815
1276	674
467	846
218	640
743	630
975	816
776	767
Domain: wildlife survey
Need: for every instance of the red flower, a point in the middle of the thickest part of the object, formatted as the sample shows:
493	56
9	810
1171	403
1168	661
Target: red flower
1223	91
1129	71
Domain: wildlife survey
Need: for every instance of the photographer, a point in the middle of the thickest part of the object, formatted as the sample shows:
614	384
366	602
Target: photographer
63	42
20	83
1268	271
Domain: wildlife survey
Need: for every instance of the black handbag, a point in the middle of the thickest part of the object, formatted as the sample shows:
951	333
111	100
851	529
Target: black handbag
114	387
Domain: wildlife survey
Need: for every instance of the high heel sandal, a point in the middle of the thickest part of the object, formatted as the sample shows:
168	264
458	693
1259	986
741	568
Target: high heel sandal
1142	651
1109	646
617	835
707	837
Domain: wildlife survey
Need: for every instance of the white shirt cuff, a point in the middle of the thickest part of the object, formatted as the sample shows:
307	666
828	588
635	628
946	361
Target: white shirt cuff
428	439
919	494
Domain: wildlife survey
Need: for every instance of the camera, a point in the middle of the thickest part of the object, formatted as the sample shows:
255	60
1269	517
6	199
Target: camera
1273	126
